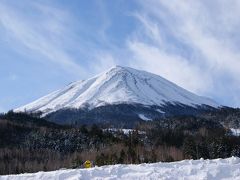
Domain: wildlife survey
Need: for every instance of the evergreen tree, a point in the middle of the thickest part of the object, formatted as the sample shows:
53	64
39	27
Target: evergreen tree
189	148
122	157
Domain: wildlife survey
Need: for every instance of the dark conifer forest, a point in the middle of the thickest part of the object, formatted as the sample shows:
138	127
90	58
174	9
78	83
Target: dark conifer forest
29	143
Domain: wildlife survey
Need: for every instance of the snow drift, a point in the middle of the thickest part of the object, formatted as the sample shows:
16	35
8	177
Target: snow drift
187	170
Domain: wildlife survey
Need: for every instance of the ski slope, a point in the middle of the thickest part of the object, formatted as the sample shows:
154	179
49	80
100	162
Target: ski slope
227	169
118	85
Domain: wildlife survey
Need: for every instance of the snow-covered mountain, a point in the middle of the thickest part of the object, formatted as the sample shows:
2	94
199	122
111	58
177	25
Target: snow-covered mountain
117	86
121	93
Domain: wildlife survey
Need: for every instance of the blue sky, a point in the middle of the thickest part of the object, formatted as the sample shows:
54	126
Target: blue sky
45	45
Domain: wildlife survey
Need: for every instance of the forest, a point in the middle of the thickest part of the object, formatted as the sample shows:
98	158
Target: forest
29	143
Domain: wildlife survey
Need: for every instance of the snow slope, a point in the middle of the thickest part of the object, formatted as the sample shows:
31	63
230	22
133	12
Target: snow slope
228	169
116	86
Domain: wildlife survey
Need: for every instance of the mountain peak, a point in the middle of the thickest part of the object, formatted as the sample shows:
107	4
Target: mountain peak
119	68
118	85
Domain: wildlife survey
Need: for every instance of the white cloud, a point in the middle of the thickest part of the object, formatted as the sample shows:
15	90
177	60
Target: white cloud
105	61
192	43
42	35
170	66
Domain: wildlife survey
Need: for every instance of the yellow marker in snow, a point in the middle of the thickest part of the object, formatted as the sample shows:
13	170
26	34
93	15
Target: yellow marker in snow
87	164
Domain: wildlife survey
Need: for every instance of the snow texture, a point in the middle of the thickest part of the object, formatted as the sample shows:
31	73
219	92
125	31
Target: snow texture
235	132
124	131
228	169
117	86
159	110
143	117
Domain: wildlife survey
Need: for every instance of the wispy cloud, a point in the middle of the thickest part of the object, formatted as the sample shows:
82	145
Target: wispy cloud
170	66
193	43
44	34
57	36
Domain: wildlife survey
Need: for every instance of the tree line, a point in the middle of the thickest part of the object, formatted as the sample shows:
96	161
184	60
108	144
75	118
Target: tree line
30	144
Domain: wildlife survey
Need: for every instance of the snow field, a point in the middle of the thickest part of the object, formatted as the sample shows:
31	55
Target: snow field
227	169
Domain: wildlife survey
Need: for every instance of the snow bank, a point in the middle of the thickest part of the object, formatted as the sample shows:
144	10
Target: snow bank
187	170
